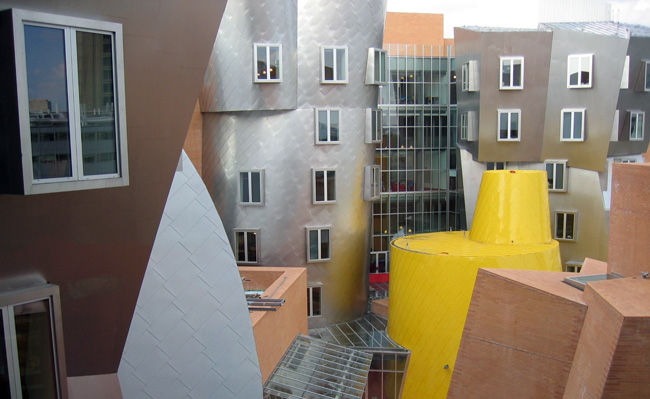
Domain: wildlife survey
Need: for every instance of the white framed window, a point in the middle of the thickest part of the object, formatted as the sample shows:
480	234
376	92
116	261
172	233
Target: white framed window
625	79
512	73
566	224
318	244
580	71
379	262
646	86
573	266
251	187
624	160
328	126
464	77
323	186
34	361
509	128
334	64
376	73
72	114
573	124
314	300
373	126
469	77
557	175
372	182
247	246
496	165
637	124
463	126
268	63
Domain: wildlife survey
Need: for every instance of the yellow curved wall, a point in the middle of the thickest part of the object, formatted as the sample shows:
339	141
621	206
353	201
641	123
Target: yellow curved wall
433	275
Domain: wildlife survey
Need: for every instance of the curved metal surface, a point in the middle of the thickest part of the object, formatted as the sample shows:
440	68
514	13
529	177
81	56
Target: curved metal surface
282	144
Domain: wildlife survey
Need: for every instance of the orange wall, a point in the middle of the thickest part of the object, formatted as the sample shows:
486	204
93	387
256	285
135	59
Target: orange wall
193	145
415	28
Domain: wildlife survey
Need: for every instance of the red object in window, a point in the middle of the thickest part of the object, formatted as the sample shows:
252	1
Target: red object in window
379	277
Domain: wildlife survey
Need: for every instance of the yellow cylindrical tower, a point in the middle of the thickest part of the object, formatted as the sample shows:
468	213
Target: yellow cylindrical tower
432	275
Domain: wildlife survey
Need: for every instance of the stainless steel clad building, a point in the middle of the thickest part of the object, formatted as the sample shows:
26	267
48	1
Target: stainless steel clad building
289	105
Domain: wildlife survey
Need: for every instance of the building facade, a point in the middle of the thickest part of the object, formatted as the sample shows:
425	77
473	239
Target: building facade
568	99
288	106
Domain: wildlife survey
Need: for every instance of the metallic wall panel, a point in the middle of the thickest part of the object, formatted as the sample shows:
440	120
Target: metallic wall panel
95	244
599	100
282	143
229	82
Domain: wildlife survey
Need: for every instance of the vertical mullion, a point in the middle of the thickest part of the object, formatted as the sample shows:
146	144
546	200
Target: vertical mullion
13	363
74	108
249	182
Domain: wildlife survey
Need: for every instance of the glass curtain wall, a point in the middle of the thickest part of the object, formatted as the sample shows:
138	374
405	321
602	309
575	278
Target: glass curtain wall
417	155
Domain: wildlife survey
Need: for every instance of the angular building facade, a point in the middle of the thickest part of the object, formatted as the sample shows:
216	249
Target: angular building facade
288	105
567	98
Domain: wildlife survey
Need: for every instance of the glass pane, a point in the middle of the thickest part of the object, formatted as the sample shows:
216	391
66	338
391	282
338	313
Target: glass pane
331	185
328	64
566	125
96	103
241	246
341	64
315	301
378	66
256	187
243	186
35	349
313	244
585	68
48	102
319	177
569	225
325	244
334	125
559	178
252	246
573	71
261	62
639	126
514	125
503	126
505	75
322	125
516	73
577	125
5	390
549	172
275	62
559	225
647	75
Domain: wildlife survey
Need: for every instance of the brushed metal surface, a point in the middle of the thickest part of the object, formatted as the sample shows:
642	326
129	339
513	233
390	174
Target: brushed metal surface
282	144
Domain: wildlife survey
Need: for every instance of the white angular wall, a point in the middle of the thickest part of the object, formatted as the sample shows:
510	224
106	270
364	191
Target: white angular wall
191	334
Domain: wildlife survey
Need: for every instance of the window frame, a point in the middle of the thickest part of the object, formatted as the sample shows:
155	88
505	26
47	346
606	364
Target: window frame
635	135
464	125
552	179
377	67
247	252
374	125
573	112
329	112
69	26
464	77
509	112
336	79
320	256
11	299
646	86
590	70
310	301
564	223
268	47
326	192
511	86
250	202
495	165
375	255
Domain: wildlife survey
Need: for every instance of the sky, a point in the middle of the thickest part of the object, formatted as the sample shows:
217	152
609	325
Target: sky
492	12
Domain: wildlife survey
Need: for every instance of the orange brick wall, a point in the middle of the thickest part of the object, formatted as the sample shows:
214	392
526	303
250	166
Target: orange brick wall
194	140
514	343
629	228
414	28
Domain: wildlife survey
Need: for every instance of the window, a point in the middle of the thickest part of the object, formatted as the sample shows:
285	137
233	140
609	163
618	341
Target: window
327	126
463	126
247	246
469	76
573	266
509	124
372	182
637	120
373	125
334	65
496	165
647	76
72	112
251	187
565	225
579	71
512	73
379	262
31	347
624	160
464	77
557	172
314	294
573	125
318	244
625	79
324	186
376	73
268	63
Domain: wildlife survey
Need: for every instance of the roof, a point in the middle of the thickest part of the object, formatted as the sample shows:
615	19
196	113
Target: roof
607	28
